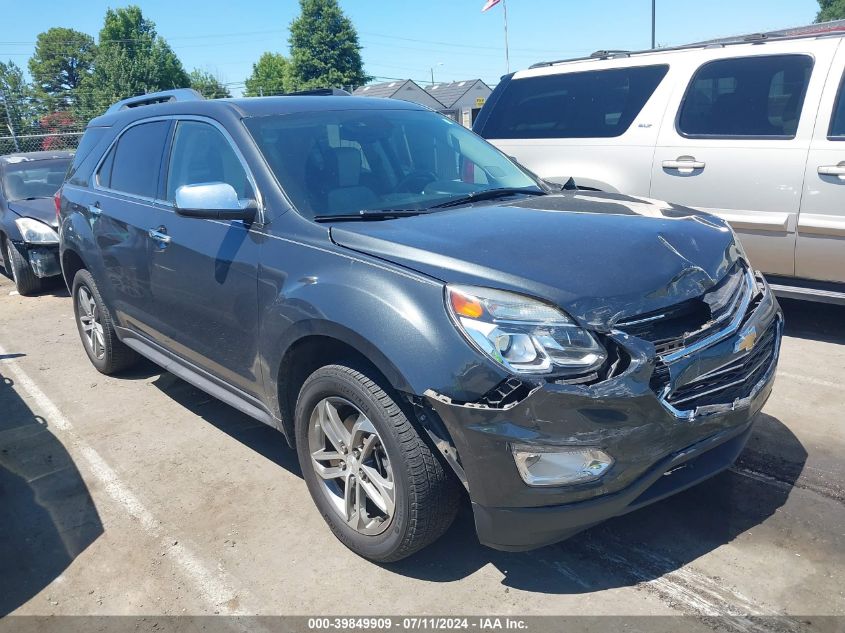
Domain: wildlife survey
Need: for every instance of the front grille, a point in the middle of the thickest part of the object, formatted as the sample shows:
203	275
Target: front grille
686	323
726	384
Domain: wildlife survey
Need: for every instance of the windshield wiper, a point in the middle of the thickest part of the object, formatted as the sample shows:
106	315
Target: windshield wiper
371	214
489	194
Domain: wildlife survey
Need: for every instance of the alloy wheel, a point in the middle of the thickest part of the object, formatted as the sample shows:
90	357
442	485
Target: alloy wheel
350	459
89	318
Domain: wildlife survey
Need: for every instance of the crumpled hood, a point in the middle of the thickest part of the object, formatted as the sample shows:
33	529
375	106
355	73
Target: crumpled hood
601	257
43	209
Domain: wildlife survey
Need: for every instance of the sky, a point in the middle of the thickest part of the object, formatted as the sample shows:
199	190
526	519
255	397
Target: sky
405	39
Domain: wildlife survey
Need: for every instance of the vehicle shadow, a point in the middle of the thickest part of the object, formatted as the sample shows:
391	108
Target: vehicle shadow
814	321
47	516
53	286
264	440
640	546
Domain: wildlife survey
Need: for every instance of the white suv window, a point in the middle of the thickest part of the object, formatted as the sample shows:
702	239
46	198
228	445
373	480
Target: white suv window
747	97
837	122
593	104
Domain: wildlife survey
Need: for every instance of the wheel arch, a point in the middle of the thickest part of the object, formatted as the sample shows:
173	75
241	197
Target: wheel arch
72	263
318	344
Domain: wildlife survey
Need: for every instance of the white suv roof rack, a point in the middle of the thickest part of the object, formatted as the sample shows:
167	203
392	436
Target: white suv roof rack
756	38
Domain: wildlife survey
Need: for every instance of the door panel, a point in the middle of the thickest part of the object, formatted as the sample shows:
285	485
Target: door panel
737	139
204	284
122	209
820	251
205	277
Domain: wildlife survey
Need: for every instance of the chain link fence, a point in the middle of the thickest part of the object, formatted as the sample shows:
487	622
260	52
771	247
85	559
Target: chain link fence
27	125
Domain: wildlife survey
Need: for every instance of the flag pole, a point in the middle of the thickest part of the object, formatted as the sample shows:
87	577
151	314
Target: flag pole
507	48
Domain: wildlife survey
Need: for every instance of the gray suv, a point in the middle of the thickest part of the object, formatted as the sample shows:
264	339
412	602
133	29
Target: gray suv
419	316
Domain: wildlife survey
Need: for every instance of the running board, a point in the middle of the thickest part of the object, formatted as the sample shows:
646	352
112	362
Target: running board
808	294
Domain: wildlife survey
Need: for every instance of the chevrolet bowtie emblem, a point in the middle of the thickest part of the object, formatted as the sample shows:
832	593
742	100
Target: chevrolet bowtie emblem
747	340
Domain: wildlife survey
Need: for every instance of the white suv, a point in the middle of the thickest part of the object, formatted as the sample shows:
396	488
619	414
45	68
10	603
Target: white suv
752	131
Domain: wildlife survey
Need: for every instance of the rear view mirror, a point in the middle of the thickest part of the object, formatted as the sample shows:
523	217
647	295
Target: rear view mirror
214	201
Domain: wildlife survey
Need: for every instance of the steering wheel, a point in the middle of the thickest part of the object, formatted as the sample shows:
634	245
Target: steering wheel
416	181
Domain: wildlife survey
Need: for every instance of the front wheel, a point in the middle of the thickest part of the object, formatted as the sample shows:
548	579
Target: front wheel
380	488
26	282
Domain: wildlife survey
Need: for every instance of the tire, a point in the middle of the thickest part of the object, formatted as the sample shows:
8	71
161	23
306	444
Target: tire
425	494
106	352
26	283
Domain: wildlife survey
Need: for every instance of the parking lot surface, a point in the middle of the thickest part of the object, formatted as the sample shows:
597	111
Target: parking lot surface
142	495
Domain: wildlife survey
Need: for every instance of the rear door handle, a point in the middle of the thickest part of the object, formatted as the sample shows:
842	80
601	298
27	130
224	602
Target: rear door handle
684	164
833	170
159	236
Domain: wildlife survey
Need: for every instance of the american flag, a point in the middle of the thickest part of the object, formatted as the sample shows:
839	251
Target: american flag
490	4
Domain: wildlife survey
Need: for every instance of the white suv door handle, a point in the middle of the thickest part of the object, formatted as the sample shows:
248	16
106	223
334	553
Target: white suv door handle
684	163
833	170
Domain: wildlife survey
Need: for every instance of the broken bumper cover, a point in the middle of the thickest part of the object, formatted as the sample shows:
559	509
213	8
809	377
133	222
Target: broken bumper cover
657	451
44	260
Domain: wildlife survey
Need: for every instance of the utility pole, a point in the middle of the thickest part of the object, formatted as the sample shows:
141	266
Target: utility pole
653	24
507	48
9	120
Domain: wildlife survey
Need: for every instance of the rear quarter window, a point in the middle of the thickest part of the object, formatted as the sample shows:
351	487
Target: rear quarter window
90	139
592	104
746	97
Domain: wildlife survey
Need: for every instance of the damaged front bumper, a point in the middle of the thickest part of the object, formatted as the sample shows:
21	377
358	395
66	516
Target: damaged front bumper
662	422
44	259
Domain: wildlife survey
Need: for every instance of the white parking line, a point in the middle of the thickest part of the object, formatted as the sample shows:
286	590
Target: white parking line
809	379
215	588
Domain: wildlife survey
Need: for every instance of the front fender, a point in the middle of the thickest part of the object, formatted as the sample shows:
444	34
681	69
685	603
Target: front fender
395	318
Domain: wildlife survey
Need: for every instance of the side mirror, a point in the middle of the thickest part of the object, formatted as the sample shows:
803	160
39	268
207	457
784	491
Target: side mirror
214	201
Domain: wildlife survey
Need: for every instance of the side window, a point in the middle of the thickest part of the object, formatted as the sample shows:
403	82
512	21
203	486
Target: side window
104	173
137	159
593	104
837	121
202	154
90	139
749	97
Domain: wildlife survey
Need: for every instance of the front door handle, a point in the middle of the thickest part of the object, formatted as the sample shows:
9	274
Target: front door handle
159	236
684	164
833	170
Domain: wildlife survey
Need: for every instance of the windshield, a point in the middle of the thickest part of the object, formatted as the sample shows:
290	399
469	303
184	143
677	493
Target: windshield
344	162
34	178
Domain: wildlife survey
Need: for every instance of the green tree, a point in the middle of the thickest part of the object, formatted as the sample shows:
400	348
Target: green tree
63	58
270	76
18	111
208	85
324	48
132	59
831	10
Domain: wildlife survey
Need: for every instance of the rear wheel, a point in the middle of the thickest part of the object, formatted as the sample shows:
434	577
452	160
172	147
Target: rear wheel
26	283
378	485
96	327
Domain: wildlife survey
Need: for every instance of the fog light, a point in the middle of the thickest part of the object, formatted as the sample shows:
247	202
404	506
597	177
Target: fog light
560	466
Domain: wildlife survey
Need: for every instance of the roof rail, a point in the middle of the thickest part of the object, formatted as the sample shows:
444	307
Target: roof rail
829	29
602	54
319	92
165	96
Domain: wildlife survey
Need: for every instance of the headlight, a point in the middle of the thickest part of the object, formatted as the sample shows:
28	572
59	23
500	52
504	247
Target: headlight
559	466
35	232
524	335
